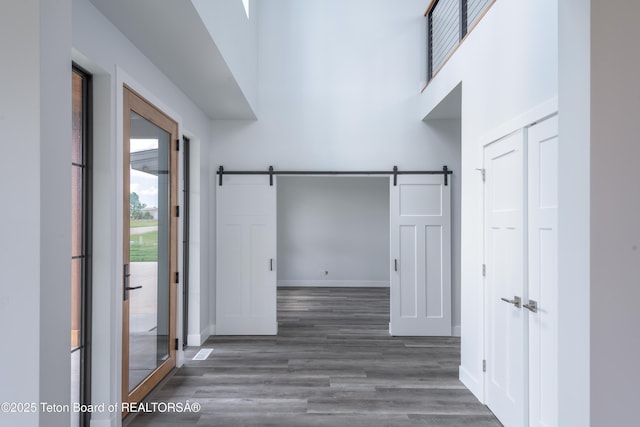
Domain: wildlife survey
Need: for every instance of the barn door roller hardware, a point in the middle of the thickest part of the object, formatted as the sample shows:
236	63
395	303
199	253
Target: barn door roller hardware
395	172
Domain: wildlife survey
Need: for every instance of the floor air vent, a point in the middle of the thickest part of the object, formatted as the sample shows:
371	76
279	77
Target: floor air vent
203	354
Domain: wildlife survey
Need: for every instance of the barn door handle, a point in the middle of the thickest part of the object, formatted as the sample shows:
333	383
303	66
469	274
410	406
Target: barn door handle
532	306
515	301
395	264
271	264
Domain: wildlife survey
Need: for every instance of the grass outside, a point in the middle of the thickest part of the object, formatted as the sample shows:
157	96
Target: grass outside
144	247
136	223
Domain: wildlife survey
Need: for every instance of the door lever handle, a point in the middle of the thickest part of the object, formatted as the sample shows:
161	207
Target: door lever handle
515	301
131	288
532	306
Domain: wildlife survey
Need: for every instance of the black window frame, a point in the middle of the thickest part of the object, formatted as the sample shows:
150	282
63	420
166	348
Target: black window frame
186	163
87	241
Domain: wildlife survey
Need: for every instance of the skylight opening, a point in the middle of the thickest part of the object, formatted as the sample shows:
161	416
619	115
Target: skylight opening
245	3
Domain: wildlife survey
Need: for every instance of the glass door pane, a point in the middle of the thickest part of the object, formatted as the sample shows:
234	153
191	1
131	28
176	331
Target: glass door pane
149	248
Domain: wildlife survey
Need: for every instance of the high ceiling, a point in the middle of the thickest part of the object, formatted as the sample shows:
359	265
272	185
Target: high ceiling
172	35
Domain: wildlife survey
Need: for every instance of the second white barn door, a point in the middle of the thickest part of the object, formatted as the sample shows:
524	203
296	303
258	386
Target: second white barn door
246	294
420	256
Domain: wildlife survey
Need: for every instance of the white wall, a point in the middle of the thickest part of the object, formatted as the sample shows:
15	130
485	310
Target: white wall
20	226
338	89
103	50
615	213
55	206
573	215
507	67
334	224
236	36
36	183
449	132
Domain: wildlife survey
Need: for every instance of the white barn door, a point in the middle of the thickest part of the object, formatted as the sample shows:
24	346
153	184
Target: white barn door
505	278
420	256
543	273
246	294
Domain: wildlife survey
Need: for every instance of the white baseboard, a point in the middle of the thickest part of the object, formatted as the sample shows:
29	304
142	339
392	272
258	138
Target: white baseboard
179	358
457	331
334	283
196	340
472	383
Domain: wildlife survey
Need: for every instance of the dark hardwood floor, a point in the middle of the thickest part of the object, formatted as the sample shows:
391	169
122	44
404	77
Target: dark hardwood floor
332	363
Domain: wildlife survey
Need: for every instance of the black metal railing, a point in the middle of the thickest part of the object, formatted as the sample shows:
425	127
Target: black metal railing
448	23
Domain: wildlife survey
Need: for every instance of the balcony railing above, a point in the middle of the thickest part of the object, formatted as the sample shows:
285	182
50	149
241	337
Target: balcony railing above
448	23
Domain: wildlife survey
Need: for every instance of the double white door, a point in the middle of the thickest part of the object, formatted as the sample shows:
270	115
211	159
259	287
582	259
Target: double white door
521	202
246	293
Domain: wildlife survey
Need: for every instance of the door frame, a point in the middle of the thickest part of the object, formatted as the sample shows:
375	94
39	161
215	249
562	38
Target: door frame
132	100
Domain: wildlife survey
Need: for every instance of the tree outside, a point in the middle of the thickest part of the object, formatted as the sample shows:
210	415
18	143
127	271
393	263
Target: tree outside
136	206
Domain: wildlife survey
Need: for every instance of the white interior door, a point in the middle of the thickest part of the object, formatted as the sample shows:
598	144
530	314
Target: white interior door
542	142
420	256
505	278
246	294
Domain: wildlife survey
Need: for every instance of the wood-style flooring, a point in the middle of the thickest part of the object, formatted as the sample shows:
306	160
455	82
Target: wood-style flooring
332	363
